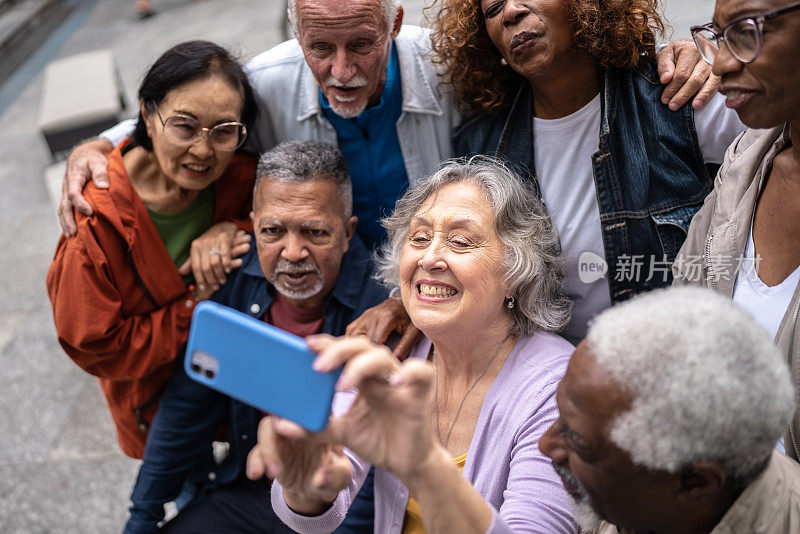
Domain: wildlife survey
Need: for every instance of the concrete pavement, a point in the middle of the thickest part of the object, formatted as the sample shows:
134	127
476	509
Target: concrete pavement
60	468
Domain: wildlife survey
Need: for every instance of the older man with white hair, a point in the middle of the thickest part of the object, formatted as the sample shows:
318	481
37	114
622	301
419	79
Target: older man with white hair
669	412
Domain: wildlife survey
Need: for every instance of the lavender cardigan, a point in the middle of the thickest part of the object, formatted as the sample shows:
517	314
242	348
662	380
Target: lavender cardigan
503	462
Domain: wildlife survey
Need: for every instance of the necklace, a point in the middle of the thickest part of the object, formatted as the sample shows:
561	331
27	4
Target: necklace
464	398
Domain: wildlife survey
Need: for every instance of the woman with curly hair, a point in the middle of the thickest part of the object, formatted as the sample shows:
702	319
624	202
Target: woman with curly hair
568	93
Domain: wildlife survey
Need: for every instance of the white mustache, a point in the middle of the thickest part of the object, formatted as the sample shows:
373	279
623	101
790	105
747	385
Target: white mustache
355	81
288	267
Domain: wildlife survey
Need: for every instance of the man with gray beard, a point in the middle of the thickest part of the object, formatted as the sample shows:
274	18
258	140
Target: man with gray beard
308	273
670	410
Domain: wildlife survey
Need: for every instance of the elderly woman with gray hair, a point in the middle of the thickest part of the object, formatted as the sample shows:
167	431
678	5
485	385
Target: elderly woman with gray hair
454	430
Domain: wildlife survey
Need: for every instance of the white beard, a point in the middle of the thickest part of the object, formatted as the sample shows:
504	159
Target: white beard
585	515
346	109
583	512
301	295
284	266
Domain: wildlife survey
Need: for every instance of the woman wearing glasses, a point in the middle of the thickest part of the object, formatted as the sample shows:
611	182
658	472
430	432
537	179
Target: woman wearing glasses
121	307
745	241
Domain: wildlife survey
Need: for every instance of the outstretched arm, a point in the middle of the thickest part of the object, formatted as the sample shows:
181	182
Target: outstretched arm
88	161
387	425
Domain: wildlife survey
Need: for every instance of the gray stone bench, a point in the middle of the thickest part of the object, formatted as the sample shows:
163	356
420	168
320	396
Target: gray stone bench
81	97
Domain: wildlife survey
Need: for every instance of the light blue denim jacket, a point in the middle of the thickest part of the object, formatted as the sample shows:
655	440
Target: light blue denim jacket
289	108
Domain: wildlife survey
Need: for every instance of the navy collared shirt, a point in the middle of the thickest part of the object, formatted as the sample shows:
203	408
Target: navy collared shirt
371	147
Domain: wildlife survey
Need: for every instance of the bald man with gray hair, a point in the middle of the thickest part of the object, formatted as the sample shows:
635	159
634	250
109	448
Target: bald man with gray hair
669	413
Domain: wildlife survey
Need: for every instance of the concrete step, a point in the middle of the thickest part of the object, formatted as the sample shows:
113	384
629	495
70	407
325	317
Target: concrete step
81	95
17	17
6	4
24	26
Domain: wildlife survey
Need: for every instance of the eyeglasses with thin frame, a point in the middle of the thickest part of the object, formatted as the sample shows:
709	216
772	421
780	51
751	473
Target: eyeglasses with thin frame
184	130
744	36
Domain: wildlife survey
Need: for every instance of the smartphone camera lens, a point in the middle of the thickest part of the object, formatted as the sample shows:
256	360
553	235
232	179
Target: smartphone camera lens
203	364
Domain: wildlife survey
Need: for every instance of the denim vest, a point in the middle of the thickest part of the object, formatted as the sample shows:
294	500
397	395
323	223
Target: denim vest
649	172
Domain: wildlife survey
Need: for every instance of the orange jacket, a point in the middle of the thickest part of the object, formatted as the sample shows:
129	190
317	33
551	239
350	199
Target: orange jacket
120	307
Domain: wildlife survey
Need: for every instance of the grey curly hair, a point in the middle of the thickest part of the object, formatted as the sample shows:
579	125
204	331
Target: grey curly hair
388	7
534	272
707	382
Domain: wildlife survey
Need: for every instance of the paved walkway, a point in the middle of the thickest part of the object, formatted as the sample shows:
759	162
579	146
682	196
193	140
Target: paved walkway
60	468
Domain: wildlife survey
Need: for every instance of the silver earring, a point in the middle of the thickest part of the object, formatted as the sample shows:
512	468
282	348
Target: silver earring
510	303
503	61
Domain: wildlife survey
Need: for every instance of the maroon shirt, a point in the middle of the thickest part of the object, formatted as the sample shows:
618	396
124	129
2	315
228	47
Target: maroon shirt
294	319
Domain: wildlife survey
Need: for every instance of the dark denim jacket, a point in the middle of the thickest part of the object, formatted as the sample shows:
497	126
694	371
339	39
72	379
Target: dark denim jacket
189	414
649	171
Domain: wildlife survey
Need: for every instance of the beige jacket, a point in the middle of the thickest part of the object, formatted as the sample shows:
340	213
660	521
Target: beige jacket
711	254
770	505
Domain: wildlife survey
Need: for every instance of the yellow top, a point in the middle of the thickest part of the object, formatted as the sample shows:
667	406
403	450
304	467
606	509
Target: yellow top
412	523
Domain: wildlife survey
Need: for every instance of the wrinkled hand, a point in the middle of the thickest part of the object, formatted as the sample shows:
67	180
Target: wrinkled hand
379	321
88	160
311	470
387	425
211	270
686	75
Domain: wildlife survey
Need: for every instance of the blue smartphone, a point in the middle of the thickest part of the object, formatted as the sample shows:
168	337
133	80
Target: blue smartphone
258	364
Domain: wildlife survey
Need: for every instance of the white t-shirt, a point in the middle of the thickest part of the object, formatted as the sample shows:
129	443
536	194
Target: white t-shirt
767	305
563	150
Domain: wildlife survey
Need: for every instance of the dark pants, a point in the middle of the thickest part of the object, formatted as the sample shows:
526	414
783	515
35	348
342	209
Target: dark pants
178	448
239	508
243	508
